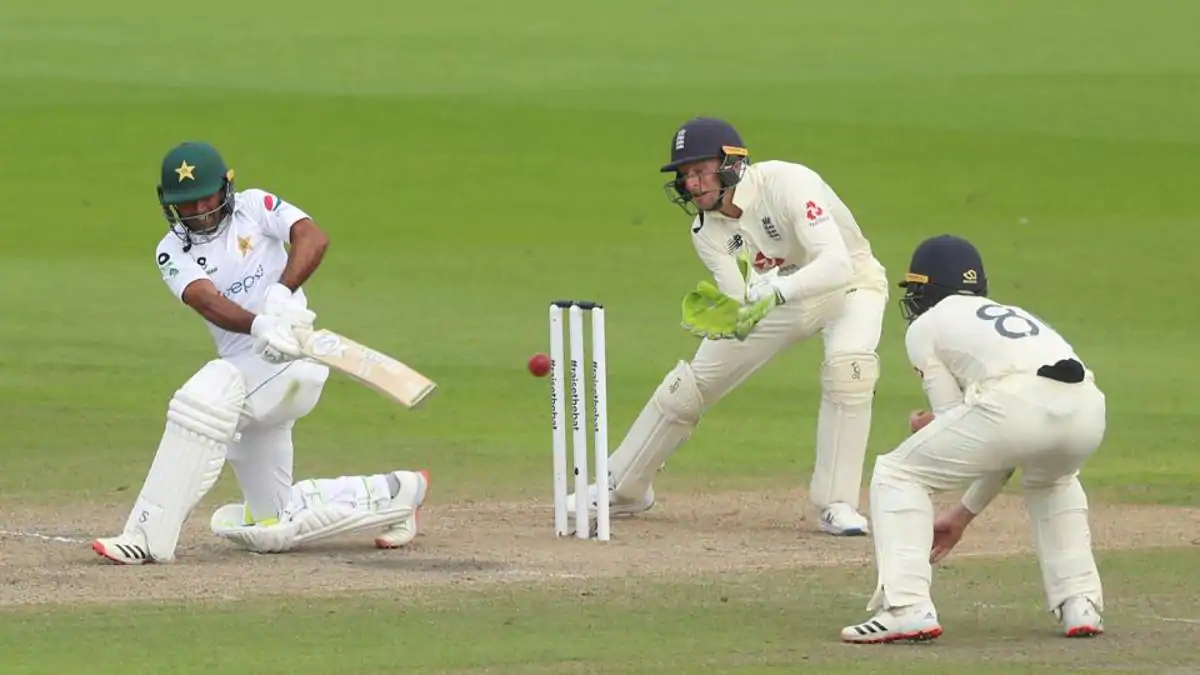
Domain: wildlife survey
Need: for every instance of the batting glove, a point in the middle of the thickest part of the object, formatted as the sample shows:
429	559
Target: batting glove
280	302
274	339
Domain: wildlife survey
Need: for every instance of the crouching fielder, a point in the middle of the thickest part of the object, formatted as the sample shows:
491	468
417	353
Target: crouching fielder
1007	392
225	257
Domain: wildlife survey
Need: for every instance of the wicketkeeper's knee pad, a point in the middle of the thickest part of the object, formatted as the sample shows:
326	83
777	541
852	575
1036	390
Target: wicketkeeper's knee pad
843	427
665	422
678	397
849	379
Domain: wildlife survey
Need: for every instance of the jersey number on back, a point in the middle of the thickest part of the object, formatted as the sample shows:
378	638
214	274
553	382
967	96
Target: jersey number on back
1008	322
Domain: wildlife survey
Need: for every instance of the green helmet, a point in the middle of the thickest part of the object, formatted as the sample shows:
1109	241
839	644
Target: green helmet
193	171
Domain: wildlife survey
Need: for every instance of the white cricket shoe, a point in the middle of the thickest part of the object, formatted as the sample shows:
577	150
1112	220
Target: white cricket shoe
414	485
123	549
915	623
1079	617
842	520
616	505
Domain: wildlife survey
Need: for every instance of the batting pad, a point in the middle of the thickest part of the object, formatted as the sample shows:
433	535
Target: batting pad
843	427
319	509
663	425
202	420
1059	515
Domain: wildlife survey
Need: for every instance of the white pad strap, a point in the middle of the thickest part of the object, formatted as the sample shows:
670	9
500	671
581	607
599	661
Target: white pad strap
202	420
663	425
843	427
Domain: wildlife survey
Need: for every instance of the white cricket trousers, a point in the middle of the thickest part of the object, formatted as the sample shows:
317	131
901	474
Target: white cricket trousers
850	324
263	456
1048	429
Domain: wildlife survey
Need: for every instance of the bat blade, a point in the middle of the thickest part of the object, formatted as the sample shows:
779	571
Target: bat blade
370	367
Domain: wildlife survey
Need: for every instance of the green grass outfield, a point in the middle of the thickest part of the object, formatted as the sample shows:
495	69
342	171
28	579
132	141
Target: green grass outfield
473	161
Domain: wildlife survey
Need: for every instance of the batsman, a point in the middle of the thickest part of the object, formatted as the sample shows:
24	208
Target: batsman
240	259
789	263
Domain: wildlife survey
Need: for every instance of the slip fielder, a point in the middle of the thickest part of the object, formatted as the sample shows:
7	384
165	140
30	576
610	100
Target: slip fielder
1006	392
240	259
813	274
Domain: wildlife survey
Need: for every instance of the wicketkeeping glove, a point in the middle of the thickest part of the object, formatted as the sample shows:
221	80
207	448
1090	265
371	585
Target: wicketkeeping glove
750	315
709	313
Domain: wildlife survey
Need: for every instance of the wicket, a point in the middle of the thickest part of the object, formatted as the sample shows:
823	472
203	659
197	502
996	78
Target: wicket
575	312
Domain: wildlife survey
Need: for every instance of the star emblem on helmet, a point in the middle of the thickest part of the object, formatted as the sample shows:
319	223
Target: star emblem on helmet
185	171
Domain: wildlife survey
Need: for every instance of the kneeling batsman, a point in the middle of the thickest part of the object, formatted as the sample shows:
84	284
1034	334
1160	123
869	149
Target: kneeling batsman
209	419
226	257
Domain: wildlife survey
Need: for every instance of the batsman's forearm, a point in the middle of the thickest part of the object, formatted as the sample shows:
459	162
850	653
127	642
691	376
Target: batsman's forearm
307	251
225	313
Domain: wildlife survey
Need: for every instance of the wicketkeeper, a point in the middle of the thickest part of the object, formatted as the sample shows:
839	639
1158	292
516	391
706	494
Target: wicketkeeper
789	263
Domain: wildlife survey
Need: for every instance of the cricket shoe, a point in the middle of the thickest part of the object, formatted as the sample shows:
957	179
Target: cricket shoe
914	623
842	520
123	549
414	486
616	505
1079	617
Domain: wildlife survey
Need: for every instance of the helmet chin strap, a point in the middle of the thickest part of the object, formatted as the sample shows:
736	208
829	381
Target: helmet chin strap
722	193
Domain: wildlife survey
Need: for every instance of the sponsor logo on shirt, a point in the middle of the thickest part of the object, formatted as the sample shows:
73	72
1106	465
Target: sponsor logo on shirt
814	214
244	284
763	262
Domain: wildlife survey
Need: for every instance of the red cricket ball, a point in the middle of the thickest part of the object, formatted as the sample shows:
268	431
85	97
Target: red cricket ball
539	364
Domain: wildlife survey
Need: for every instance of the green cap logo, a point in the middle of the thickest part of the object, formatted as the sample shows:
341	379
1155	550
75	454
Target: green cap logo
185	171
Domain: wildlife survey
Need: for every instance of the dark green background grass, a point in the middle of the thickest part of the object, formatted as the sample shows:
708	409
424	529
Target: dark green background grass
472	162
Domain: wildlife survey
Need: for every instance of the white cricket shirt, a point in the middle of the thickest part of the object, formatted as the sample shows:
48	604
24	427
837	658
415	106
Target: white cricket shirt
964	341
242	262
791	220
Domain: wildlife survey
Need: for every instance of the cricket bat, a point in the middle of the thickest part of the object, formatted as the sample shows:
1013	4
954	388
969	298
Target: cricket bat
374	369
